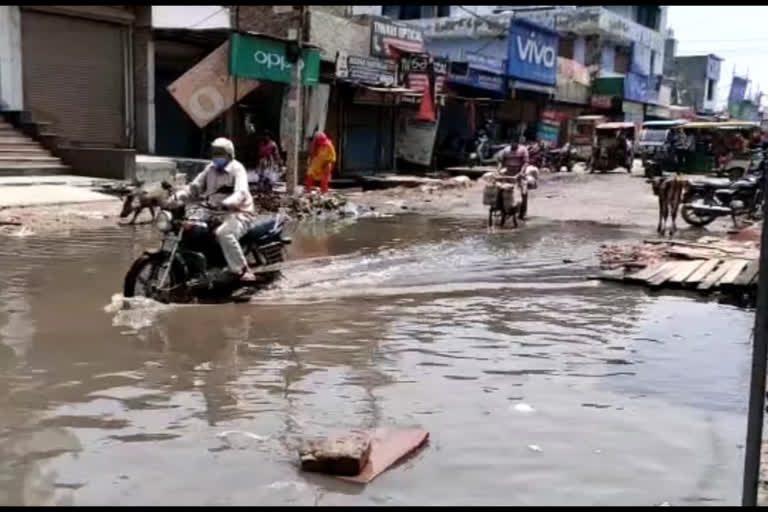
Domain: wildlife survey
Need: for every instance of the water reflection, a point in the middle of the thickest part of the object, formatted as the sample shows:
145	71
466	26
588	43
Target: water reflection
393	321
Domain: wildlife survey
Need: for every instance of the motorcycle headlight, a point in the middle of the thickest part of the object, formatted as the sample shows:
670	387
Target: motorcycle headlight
163	222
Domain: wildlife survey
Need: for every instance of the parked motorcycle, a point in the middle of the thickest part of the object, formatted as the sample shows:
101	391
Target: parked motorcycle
485	152
710	198
190	264
557	158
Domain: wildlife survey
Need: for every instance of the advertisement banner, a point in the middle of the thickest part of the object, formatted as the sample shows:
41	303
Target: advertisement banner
480	80
415	139
636	87
532	52
386	34
207	90
265	59
414	70
548	131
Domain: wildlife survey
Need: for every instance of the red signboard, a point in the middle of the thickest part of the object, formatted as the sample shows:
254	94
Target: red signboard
601	101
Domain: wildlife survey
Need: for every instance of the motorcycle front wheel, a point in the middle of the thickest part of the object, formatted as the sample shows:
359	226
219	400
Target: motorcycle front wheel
143	278
698	220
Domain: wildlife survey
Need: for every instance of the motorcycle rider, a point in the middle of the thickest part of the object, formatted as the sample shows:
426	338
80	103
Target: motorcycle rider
225	171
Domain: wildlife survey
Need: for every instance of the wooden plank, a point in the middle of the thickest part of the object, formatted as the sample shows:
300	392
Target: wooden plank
646	273
702	271
671	268
715	276
685	269
748	275
733	273
388	447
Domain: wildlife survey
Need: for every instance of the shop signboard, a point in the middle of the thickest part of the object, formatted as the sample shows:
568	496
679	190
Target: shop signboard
480	80
372	70
601	101
532	52
266	59
485	63
386	34
414	69
636	87
207	90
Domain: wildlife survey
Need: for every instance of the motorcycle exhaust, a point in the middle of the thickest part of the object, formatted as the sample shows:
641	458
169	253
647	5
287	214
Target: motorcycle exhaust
711	209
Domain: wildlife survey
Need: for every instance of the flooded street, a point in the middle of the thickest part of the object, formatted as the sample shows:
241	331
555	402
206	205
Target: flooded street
633	398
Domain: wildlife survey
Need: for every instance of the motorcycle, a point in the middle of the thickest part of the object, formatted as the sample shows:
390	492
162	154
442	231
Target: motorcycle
710	198
485	153
190	265
557	158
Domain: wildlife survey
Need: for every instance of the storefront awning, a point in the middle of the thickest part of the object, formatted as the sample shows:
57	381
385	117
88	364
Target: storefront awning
405	46
393	90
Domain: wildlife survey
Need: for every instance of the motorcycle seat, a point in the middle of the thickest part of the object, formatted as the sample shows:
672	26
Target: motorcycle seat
260	229
711	182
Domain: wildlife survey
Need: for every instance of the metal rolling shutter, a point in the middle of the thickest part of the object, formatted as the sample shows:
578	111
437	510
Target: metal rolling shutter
73	76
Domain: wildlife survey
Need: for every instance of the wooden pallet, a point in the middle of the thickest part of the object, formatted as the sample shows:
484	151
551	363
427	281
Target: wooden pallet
704	275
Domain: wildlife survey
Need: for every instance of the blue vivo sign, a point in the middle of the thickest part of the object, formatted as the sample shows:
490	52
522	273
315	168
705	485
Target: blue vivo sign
532	52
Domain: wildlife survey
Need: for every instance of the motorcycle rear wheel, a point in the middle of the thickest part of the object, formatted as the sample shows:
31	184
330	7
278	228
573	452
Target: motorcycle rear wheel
146	272
696	219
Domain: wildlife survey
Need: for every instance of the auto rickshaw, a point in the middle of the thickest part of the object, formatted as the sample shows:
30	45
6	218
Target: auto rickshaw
607	153
715	147
582	137
655	147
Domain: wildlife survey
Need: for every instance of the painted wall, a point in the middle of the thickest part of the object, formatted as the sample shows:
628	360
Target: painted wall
190	16
11	91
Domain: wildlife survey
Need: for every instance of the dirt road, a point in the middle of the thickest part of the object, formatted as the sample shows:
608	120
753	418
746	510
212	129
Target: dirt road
616	199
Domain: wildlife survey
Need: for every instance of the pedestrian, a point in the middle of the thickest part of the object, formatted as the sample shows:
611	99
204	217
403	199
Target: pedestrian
321	162
270	161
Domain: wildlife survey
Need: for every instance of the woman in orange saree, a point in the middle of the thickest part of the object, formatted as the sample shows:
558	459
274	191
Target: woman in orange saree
321	162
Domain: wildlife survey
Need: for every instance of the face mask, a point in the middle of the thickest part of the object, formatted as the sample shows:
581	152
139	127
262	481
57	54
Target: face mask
220	162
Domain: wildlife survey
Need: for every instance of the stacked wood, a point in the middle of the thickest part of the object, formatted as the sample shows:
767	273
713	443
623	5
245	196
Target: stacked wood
709	264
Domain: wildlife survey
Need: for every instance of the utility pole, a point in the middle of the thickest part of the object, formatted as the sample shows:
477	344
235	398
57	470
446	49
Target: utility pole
293	168
757	390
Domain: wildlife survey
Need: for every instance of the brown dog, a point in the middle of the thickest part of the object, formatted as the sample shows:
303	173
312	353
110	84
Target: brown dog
138	199
670	191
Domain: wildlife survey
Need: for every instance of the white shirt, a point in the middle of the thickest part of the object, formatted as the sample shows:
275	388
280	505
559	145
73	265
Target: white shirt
211	179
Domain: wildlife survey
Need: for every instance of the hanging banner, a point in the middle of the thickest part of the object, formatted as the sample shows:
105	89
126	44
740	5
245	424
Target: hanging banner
207	90
372	70
265	59
415	139
532	52
484	63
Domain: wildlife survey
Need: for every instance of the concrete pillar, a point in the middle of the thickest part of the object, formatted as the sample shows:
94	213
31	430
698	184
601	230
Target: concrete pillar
11	90
144	80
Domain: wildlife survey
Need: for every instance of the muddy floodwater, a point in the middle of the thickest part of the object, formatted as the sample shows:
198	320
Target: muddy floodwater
537	386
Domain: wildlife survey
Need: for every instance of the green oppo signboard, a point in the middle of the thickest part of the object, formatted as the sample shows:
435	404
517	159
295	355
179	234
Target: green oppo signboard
265	59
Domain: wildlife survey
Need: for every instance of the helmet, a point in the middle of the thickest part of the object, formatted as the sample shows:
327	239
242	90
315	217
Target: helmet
224	144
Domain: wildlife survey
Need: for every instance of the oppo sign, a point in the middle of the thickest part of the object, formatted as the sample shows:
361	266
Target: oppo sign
532	53
272	60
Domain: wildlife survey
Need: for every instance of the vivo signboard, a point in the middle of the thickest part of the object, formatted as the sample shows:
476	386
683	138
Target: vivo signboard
532	52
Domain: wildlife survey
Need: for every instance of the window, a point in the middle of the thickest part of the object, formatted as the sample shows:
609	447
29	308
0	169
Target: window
443	11
565	48
410	12
652	68
391	11
622	59
710	90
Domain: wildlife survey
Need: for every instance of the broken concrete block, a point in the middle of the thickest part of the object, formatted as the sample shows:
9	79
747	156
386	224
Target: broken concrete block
346	456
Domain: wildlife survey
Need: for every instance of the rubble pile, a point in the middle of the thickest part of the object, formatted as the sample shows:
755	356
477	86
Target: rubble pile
314	205
630	256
